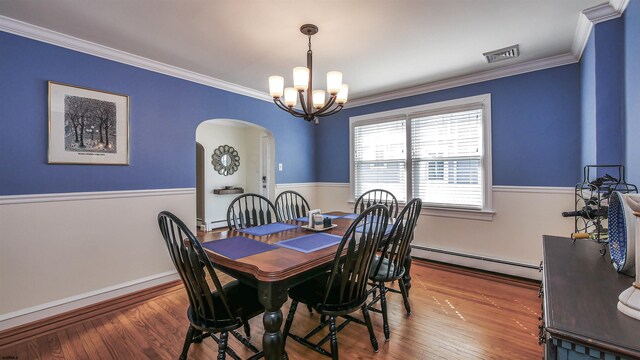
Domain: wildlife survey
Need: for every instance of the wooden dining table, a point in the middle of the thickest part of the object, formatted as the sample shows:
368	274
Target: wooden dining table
274	272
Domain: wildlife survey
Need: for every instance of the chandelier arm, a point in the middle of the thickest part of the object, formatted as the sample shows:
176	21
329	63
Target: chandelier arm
280	104
320	111
296	114
287	109
304	105
335	110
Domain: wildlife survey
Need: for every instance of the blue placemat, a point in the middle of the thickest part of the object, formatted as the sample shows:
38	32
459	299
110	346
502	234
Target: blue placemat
310	243
351	216
238	247
268	229
386	232
306	219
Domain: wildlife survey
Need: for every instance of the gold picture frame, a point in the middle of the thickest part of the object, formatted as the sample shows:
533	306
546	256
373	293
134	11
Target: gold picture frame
87	126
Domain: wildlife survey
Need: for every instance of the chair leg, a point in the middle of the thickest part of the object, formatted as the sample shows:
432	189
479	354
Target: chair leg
333	337
247	328
385	320
197	336
222	346
405	297
287	324
372	335
187	342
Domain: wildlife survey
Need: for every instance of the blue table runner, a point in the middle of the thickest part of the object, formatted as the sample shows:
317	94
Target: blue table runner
237	247
268	229
310	243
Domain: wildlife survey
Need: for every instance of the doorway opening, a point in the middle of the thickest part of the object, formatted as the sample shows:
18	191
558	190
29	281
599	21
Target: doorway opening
255	173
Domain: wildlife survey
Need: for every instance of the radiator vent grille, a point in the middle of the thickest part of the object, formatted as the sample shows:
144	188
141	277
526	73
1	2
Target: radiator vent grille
507	53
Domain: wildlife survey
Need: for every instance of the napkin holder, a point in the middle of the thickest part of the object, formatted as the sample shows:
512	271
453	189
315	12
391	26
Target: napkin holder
310	216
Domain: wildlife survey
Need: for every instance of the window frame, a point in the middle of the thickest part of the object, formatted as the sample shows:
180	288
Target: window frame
407	114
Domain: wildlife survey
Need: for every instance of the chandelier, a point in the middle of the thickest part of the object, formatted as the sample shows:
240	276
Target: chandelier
315	105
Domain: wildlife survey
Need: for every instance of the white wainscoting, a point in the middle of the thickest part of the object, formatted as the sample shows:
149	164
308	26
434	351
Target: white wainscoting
60	252
522	215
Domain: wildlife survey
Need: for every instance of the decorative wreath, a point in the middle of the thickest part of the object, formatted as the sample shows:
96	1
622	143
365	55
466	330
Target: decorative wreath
225	160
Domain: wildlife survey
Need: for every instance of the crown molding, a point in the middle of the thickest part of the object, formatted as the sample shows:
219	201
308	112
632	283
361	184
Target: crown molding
581	36
505	71
607	11
594	15
38	33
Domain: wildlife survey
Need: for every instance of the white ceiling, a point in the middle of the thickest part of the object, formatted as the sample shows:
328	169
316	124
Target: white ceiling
379	45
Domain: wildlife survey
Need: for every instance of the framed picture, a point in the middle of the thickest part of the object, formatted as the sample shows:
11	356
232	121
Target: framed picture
87	126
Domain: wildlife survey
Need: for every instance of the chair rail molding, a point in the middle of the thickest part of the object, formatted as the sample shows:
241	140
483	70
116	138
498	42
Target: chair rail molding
78	196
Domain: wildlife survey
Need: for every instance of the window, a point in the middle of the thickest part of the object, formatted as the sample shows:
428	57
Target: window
379	157
438	152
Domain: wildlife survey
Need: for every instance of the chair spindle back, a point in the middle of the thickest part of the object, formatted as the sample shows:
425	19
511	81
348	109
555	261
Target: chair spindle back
377	196
195	268
400	237
352	264
250	210
291	205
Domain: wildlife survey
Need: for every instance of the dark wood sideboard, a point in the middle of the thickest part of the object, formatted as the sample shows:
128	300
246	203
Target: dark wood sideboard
580	292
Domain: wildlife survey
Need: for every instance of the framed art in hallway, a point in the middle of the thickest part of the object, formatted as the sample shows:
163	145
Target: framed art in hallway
87	126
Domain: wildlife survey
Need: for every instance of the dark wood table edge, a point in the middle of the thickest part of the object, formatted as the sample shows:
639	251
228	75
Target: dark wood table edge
570	336
601	346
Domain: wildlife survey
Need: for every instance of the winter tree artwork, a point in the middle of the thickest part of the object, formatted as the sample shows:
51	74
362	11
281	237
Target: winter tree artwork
87	126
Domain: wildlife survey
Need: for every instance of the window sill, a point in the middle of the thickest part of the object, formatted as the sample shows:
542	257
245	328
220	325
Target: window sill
484	215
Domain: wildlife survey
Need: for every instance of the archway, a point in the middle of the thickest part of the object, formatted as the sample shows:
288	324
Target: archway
255	146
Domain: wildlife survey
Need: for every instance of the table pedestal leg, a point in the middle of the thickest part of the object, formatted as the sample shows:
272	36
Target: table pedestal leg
272	296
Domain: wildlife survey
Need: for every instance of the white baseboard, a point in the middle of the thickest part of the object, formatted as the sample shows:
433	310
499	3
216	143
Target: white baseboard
481	264
25	316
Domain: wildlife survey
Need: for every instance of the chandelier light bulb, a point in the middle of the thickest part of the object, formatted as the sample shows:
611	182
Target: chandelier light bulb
318	98
290	97
334	81
276	86
300	78
342	96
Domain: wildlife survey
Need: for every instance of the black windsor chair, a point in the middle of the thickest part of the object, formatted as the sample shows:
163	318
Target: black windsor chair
222	310
250	210
377	196
291	205
389	266
343	290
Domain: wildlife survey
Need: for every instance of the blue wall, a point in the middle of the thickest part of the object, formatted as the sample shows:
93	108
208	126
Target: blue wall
535	135
610	75
609	68
632	90
588	103
165	112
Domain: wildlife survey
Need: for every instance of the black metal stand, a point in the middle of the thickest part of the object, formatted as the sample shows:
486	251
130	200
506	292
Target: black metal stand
592	199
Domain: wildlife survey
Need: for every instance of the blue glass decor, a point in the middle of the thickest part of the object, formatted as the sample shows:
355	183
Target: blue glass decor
619	233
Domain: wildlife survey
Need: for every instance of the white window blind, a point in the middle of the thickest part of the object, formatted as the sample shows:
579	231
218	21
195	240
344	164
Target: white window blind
447	158
379	157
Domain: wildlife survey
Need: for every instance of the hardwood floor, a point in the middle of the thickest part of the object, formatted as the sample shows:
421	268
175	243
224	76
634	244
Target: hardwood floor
457	314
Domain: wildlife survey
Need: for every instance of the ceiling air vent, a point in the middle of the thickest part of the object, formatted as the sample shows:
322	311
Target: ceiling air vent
510	52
